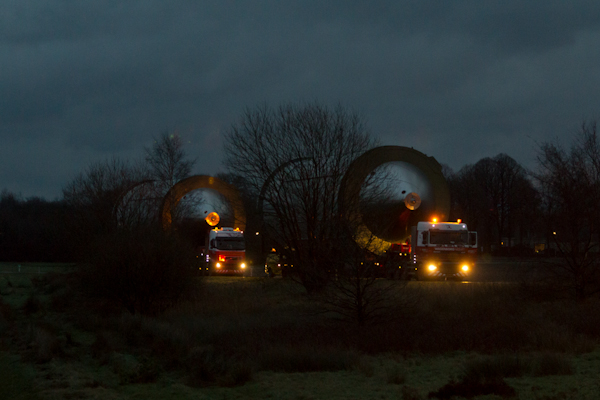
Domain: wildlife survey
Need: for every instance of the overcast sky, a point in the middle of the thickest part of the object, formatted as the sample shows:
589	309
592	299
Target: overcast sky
82	81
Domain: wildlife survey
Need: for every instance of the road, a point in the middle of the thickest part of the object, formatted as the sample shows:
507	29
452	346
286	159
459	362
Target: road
507	269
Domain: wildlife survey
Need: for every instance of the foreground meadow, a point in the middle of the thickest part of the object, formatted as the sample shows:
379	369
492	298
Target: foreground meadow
259	338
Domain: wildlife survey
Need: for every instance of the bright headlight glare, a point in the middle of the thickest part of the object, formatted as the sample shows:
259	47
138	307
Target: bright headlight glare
218	265
465	267
243	265
432	267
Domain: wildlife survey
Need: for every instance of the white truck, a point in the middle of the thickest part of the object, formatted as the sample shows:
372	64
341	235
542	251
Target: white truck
226	252
446	250
437	250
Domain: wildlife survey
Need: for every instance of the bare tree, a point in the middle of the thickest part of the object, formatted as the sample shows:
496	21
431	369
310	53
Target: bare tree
168	163
145	270
127	256
295	158
570	183
33	229
167	160
493	195
356	294
93	197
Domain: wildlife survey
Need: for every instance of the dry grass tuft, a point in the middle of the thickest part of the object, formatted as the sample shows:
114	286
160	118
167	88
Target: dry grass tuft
45	345
496	367
396	374
410	393
470	389
207	366
546	364
32	305
233	328
303	358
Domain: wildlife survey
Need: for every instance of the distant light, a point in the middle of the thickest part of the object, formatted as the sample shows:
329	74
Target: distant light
434	220
256	233
458	221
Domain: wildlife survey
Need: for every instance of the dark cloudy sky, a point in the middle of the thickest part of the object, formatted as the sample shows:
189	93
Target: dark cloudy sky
82	81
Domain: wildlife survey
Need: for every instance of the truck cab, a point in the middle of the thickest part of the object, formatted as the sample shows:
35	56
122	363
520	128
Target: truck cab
443	250
226	252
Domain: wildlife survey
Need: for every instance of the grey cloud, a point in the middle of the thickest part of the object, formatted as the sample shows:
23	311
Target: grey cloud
457	80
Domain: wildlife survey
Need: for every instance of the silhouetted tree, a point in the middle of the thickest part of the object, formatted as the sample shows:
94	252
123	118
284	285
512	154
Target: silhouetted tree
493	196
168	163
356	293
294	157
144	269
94	195
33	229
115	215
167	160
570	190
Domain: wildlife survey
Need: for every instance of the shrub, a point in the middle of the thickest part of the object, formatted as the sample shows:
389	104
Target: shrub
145	270
6	311
5	286
552	364
495	367
102	347
207	365
44	345
396	374
365	366
470	389
32	305
302	358
410	393
16	379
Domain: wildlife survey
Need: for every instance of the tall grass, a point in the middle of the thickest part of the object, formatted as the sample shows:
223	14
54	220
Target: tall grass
16	381
232	328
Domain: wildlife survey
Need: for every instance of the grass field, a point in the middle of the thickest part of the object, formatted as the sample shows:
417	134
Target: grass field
34	268
258	338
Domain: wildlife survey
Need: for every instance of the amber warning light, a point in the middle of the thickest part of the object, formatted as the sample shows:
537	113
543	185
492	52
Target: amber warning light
212	219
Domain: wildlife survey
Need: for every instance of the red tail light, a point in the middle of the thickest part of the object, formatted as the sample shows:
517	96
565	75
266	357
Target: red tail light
222	258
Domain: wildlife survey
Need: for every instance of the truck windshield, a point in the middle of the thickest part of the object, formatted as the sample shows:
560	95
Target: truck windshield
230	244
448	237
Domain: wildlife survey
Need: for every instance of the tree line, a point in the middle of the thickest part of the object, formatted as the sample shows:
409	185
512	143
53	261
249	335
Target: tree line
289	162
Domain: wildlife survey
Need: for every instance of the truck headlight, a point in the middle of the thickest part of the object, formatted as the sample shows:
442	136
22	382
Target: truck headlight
243	265
218	265
432	267
465	268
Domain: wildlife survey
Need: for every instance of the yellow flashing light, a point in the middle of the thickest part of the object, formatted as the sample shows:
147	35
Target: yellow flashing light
434	220
458	221
212	219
